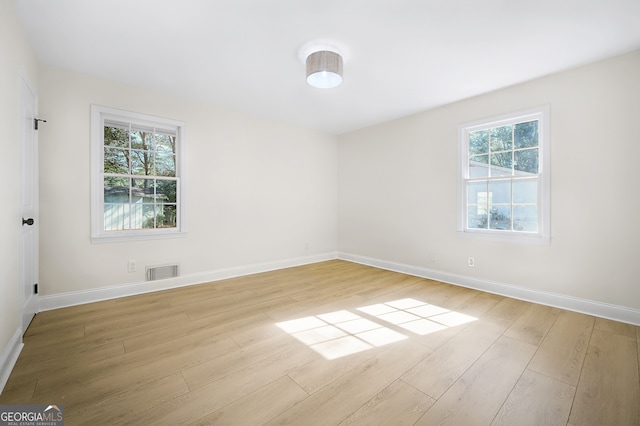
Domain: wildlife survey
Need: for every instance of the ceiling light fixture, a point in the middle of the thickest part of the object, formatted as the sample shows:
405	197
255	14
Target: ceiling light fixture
324	69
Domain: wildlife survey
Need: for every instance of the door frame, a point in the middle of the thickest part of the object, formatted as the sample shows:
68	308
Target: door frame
29	187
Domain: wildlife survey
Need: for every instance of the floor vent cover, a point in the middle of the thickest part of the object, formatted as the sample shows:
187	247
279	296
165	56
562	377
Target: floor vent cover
161	272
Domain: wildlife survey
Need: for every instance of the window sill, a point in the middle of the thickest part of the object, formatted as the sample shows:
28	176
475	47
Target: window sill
105	239
533	239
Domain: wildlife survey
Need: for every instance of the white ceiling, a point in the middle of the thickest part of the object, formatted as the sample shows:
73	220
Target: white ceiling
400	56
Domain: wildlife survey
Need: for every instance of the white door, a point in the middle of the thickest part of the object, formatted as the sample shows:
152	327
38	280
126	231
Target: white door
29	223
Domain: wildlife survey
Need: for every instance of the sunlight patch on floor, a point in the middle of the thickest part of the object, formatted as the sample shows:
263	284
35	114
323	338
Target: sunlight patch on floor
416	316
341	333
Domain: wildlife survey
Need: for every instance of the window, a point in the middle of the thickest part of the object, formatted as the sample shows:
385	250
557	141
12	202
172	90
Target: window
504	186
137	178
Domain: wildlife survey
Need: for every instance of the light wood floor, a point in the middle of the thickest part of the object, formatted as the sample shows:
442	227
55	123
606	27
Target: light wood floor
293	347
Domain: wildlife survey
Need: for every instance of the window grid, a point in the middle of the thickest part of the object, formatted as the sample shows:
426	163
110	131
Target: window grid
136	177
142	158
489	203
503	189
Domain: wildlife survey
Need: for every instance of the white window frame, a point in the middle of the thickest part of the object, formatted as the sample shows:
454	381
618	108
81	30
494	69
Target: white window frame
98	116
542	114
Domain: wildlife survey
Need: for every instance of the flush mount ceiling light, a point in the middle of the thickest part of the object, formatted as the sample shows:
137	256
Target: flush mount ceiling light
324	69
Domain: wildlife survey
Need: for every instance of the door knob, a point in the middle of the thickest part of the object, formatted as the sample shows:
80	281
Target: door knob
27	221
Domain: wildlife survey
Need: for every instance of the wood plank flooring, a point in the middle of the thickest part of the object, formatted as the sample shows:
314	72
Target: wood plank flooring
333	343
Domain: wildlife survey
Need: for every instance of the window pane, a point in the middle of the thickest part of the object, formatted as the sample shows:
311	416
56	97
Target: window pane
478	205
142	163
116	216
165	164
477	217
479	142
167	217
526	134
166	190
141	215
116	194
478	166
148	213
526	161
525	191
149	140
500	218
165	143
116	190
116	137
477	193
138	139
501	138
116	161
501	164
525	218
142	191
500	192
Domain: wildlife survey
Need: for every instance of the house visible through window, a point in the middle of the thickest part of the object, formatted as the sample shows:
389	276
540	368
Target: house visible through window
504	178
137	175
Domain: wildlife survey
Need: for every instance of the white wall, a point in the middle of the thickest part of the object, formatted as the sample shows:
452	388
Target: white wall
397	188
257	191
16	61
260	191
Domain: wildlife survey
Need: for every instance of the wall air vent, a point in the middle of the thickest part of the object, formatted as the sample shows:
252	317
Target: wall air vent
161	272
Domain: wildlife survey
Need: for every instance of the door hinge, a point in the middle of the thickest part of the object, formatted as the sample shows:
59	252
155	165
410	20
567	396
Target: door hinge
35	288
35	122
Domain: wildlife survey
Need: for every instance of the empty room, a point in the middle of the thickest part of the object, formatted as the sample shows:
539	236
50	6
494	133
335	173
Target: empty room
277	212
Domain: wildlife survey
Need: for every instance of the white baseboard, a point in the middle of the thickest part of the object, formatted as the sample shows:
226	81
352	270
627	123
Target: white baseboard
9	356
590	307
62	300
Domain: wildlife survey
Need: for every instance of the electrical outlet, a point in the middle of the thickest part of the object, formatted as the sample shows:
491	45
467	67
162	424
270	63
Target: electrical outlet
131	266
471	262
